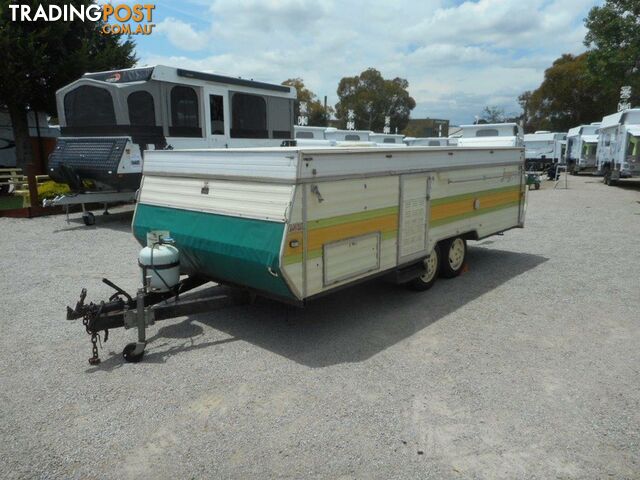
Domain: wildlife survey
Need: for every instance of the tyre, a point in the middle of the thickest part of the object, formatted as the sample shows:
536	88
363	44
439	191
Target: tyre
431	268
128	354
88	218
454	254
537	186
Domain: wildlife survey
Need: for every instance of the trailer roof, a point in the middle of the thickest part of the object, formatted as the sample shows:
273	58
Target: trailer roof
166	73
622	117
306	164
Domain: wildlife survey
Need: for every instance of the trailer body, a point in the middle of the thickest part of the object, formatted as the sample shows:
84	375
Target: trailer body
618	154
543	149
295	223
582	144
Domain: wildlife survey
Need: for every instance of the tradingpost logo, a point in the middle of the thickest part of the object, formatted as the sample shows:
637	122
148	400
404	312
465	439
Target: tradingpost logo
118	18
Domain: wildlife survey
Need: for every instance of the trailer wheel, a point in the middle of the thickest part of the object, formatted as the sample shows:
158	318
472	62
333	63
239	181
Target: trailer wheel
431	267
88	218
453	257
128	355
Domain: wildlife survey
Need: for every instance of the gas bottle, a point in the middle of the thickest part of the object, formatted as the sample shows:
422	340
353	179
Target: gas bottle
160	262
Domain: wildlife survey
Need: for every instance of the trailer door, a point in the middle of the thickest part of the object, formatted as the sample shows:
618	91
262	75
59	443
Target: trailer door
415	202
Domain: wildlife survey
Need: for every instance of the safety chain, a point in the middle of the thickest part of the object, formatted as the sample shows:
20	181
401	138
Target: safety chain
94	359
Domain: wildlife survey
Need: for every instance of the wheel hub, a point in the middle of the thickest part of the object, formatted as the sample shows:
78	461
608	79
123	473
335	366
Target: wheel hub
456	254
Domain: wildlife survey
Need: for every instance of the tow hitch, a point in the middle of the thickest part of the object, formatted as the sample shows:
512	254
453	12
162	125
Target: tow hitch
143	310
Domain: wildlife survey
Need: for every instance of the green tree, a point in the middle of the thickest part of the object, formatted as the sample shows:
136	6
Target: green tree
613	39
568	96
373	97
41	57
318	115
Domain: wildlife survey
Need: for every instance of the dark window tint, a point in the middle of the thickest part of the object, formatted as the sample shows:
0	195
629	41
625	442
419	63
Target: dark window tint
141	109
89	106
184	113
389	140
434	143
351	136
216	113
487	132
304	134
248	116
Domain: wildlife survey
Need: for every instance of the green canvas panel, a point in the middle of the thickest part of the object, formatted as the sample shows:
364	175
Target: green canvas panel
233	249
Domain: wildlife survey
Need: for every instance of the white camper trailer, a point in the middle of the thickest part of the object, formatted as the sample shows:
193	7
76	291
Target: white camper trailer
491	135
582	145
311	136
618	154
429	141
543	149
109	120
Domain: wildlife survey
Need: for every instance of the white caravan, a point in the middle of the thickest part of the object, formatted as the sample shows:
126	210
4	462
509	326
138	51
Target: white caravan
37	126
491	135
618	154
339	135
543	149
582	144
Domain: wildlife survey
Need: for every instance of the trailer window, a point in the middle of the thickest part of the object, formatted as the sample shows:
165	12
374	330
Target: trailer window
248	116
141	109
184	113
216	112
280	117
434	143
633	149
89	106
352	137
304	134
487	132
389	140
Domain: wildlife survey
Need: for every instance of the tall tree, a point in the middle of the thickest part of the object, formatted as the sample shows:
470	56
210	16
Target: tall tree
613	39
493	114
41	57
568	96
317	114
373	97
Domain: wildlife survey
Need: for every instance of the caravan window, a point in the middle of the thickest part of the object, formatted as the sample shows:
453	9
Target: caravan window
88	106
248	116
184	113
141	109
352	137
304	134
389	140
434	143
487	132
280	117
216	112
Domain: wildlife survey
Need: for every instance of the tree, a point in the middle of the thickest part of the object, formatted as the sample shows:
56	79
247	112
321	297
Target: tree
41	57
613	39
318	115
568	96
373	97
493	114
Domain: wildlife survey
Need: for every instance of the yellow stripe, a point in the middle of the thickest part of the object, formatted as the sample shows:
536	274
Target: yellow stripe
460	207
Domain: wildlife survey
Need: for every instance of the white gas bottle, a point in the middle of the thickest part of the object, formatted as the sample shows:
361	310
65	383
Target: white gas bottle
160	262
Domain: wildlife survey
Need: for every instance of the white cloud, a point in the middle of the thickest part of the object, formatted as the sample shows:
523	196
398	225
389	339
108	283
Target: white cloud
457	58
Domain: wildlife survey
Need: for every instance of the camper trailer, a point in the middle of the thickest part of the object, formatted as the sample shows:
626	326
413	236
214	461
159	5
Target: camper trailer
294	224
110	120
618	154
582	145
491	135
428	141
543	149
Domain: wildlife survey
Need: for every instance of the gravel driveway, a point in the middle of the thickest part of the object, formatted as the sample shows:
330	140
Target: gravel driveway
526	366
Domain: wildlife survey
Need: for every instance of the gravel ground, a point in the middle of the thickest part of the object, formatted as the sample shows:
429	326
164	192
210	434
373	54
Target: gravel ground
526	366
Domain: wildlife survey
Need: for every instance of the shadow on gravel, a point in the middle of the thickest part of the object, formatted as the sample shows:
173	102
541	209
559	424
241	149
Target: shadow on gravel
350	325
120	221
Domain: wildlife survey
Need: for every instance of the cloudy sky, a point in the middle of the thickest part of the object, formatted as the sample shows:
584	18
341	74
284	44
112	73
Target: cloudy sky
458	56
